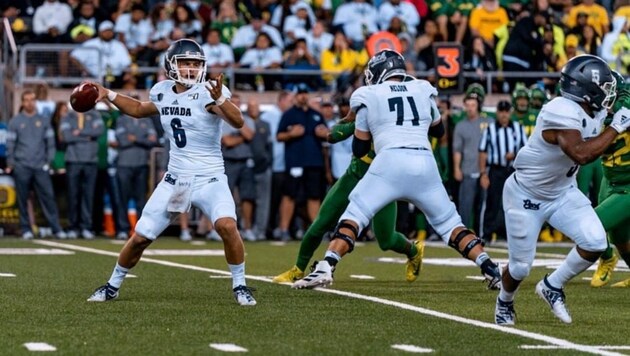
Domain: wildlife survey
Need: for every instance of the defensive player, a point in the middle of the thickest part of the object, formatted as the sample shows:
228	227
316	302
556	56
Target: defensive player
190	110
543	188
398	116
614	202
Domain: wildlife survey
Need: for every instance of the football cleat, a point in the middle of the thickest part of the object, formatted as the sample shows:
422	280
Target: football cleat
555	298
320	277
104	293
290	276
604	271
622	284
244	296
492	272
504	313
414	264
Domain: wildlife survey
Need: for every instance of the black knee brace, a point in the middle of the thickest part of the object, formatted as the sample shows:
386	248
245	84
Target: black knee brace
347	239
469	246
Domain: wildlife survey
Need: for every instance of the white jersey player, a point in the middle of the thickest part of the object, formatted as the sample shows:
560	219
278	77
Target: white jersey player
191	114
398	115
543	187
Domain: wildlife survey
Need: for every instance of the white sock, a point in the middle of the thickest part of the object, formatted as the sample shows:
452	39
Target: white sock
481	258
572	265
238	274
118	276
507	296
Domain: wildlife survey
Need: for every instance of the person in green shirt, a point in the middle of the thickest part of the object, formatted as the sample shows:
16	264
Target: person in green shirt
614	196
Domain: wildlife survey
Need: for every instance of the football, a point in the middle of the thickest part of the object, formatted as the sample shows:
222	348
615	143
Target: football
83	97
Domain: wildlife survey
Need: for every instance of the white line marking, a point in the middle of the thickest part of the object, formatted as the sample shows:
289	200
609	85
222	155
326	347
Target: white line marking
508	330
34	251
221	277
7	275
39	346
228	347
118	242
412	348
129	275
197	243
157	252
361	276
476	278
278	243
554	347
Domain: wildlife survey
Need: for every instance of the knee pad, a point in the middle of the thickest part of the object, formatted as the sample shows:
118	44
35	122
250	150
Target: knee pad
347	239
145	227
519	270
469	246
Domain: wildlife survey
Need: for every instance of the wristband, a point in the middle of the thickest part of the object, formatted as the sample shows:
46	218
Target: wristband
220	100
111	95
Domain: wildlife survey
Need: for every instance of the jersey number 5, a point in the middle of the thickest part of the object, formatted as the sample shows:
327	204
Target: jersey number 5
178	133
397	104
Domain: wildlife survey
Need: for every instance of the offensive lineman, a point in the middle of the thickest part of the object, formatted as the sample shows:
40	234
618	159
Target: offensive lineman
398	116
190	111
543	188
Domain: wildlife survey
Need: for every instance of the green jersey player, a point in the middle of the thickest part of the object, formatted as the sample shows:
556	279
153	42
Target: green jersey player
614	196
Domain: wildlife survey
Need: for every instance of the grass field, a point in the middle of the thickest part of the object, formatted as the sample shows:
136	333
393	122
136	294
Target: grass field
179	304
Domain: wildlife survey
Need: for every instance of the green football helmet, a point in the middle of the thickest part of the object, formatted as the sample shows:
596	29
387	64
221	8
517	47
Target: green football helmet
520	92
538	97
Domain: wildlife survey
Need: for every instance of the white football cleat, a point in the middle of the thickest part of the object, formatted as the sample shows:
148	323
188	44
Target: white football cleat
320	277
244	296
103	293
555	298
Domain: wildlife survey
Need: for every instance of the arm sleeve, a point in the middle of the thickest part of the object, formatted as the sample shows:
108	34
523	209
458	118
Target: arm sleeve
341	131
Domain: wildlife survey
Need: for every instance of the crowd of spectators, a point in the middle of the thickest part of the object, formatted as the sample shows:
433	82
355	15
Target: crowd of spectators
331	35
286	36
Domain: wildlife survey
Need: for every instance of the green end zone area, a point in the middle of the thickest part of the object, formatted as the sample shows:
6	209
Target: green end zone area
179	309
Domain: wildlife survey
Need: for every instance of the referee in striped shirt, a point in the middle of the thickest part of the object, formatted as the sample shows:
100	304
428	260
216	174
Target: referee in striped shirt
497	149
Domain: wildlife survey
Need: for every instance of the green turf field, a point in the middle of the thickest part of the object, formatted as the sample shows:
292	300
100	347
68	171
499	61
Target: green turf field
180	304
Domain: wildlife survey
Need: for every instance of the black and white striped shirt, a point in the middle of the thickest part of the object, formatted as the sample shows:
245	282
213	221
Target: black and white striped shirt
497	141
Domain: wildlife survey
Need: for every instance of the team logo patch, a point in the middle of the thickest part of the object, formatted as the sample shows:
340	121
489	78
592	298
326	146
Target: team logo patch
527	204
169	179
213	180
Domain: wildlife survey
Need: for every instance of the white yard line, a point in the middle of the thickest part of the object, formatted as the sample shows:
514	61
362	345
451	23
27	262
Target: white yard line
39	346
565	344
412	348
554	347
228	348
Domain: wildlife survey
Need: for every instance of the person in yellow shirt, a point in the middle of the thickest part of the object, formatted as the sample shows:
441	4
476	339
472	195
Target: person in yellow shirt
342	59
597	16
485	19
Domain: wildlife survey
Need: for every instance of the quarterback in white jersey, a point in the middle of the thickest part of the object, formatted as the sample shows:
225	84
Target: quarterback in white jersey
543	187
191	112
398	115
